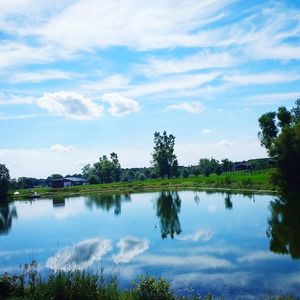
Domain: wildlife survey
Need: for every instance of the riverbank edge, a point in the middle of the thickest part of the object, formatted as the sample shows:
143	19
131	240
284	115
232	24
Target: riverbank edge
223	184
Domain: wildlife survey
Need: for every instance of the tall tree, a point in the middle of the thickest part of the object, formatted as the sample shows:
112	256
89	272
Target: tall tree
227	165
4	182
104	171
209	166
282	140
164	160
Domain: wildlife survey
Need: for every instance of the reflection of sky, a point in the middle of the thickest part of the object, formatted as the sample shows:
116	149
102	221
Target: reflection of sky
81	256
221	251
130	247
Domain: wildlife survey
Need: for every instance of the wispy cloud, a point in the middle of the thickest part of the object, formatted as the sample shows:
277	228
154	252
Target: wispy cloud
224	143
192	107
201	61
14	100
273	98
62	148
169	84
39	76
19	117
265	78
156	24
206	130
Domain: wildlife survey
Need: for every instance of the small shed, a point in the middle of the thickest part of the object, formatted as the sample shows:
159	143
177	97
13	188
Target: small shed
67	181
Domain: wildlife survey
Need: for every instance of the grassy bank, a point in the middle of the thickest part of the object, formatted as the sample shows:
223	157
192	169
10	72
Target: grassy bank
257	181
84	286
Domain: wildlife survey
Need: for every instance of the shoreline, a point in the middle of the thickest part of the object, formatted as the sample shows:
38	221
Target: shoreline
257	183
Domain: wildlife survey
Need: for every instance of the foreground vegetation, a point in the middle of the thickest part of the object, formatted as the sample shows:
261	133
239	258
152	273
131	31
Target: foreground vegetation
257	181
29	284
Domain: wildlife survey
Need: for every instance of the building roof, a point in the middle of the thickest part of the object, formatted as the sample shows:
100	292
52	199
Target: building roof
74	179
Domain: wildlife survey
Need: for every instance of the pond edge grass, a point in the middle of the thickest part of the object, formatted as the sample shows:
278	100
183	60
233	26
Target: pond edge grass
257	183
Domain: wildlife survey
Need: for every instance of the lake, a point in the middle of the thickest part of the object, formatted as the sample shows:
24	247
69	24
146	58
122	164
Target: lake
201	242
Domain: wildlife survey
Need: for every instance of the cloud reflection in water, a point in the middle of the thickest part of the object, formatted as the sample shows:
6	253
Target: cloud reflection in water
130	247
199	235
81	256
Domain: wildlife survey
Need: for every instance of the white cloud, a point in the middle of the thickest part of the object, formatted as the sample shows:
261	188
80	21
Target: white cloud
81	256
40	76
264	78
200	61
109	83
70	105
273	98
206	130
120	105
169	84
17	54
130	247
199	235
13	100
224	143
62	148
156	24
18	117
192	107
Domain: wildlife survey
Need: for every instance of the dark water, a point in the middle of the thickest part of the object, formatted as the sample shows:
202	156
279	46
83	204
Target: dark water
230	245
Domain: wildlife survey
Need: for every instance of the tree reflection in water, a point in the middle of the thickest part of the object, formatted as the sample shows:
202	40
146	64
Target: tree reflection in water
167	209
7	214
284	225
107	202
228	202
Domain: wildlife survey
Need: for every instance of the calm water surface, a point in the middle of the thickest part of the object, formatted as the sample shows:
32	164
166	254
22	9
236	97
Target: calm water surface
230	245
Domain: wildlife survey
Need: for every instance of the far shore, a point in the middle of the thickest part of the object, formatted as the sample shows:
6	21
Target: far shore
235	182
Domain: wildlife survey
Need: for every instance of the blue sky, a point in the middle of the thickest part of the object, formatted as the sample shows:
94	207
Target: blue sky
80	79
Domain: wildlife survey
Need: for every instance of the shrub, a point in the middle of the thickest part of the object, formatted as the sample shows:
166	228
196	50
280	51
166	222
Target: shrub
150	288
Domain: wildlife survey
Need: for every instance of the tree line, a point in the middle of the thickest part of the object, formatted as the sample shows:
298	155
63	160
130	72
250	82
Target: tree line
164	164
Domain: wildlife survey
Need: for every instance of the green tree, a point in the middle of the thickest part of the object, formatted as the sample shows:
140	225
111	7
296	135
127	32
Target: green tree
164	160
209	166
226	164
56	176
282	140
104	171
204	166
4	182
269	129
25	183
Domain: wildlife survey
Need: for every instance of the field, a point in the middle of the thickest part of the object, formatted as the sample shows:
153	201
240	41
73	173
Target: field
256	181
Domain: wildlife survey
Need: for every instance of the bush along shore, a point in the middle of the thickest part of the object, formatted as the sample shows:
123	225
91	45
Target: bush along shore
257	181
84	285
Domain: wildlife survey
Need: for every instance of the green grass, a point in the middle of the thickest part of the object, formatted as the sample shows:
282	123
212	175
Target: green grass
84	285
240	181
